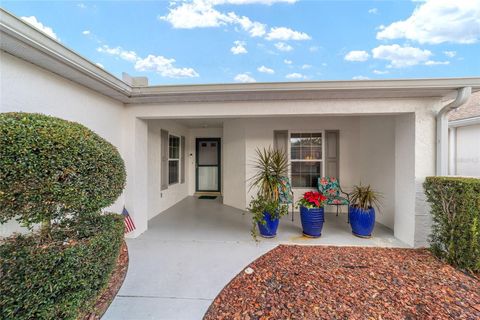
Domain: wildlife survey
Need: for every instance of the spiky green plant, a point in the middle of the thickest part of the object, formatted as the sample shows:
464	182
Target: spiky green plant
365	197
270	165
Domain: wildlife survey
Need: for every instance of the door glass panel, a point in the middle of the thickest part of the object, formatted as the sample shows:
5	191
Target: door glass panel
208	178
208	153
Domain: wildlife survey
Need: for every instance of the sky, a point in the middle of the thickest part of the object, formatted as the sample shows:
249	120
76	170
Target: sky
226	41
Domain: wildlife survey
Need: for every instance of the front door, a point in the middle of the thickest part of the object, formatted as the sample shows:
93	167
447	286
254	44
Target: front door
207	176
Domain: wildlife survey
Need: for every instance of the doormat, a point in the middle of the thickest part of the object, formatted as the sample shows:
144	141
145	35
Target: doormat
208	197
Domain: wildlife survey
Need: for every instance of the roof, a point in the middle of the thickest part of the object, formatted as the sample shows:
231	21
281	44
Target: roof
471	109
25	42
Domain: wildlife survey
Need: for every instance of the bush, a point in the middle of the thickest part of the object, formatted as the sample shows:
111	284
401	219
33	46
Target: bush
58	278
455	207
50	168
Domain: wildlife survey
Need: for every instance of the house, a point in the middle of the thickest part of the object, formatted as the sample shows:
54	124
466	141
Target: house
464	139
182	139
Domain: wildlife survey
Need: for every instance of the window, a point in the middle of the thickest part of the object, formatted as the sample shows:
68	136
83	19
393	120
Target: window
173	159
306	158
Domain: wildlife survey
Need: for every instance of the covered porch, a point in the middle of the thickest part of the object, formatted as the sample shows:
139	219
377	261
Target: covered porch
356	149
193	249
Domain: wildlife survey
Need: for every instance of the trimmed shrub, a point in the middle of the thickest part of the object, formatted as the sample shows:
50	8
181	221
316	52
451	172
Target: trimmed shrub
55	279
50	168
455	207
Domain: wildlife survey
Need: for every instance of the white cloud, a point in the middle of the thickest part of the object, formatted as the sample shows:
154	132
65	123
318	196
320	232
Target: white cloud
164	67
286	61
100	65
295	75
306	66
360	78
82	6
400	57
264	69
130	56
373	11
436	63
86	32
450	54
254	28
196	14
313	49
438	21
32	20
203	14
284	34
239	47
244	77
282	46
357	55
240	2
380	71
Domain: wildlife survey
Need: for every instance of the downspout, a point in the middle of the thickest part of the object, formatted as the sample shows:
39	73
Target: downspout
463	94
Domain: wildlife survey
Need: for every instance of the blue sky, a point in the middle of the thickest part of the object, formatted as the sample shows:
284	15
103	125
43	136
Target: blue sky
223	41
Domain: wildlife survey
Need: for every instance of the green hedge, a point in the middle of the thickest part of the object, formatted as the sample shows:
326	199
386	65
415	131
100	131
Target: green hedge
455	207
51	168
55	279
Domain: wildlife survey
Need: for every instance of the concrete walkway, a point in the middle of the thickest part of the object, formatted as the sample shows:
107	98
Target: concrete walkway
192	250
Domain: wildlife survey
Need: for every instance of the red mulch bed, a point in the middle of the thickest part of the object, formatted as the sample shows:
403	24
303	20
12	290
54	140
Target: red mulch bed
108	294
318	282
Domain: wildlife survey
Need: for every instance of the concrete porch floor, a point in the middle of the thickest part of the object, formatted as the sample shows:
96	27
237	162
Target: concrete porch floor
192	250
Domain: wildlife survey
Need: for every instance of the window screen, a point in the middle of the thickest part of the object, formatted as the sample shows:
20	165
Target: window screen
306	158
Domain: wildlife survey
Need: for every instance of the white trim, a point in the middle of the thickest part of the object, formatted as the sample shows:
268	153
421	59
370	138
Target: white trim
174	159
452	151
302	160
464	122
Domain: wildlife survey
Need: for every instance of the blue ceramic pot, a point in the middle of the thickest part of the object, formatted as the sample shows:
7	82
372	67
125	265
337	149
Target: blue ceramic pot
312	221
269	229
362	221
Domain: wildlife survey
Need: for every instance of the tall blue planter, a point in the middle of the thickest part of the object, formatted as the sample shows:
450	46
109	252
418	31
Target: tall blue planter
269	229
362	221
312	221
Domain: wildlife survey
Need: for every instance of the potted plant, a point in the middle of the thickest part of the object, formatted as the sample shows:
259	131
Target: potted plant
266	208
312	213
362	212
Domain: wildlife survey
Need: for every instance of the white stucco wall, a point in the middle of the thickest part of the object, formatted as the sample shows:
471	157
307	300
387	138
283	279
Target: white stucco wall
367	154
234	163
405	178
259	134
159	200
410	137
377	162
27	88
425	156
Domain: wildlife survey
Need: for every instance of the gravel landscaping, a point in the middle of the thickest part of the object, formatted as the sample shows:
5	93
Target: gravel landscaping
319	282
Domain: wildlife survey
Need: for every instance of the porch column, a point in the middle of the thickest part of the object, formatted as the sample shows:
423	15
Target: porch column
135	137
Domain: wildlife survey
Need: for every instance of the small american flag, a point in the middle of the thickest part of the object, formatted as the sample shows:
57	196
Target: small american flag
129	226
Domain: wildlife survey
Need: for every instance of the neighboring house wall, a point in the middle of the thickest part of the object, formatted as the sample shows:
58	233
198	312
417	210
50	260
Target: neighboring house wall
465	150
468	151
25	87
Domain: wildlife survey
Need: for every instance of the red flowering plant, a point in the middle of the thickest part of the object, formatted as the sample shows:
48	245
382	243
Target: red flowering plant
312	199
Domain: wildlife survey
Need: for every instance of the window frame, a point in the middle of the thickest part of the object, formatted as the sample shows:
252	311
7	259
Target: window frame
290	160
178	160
